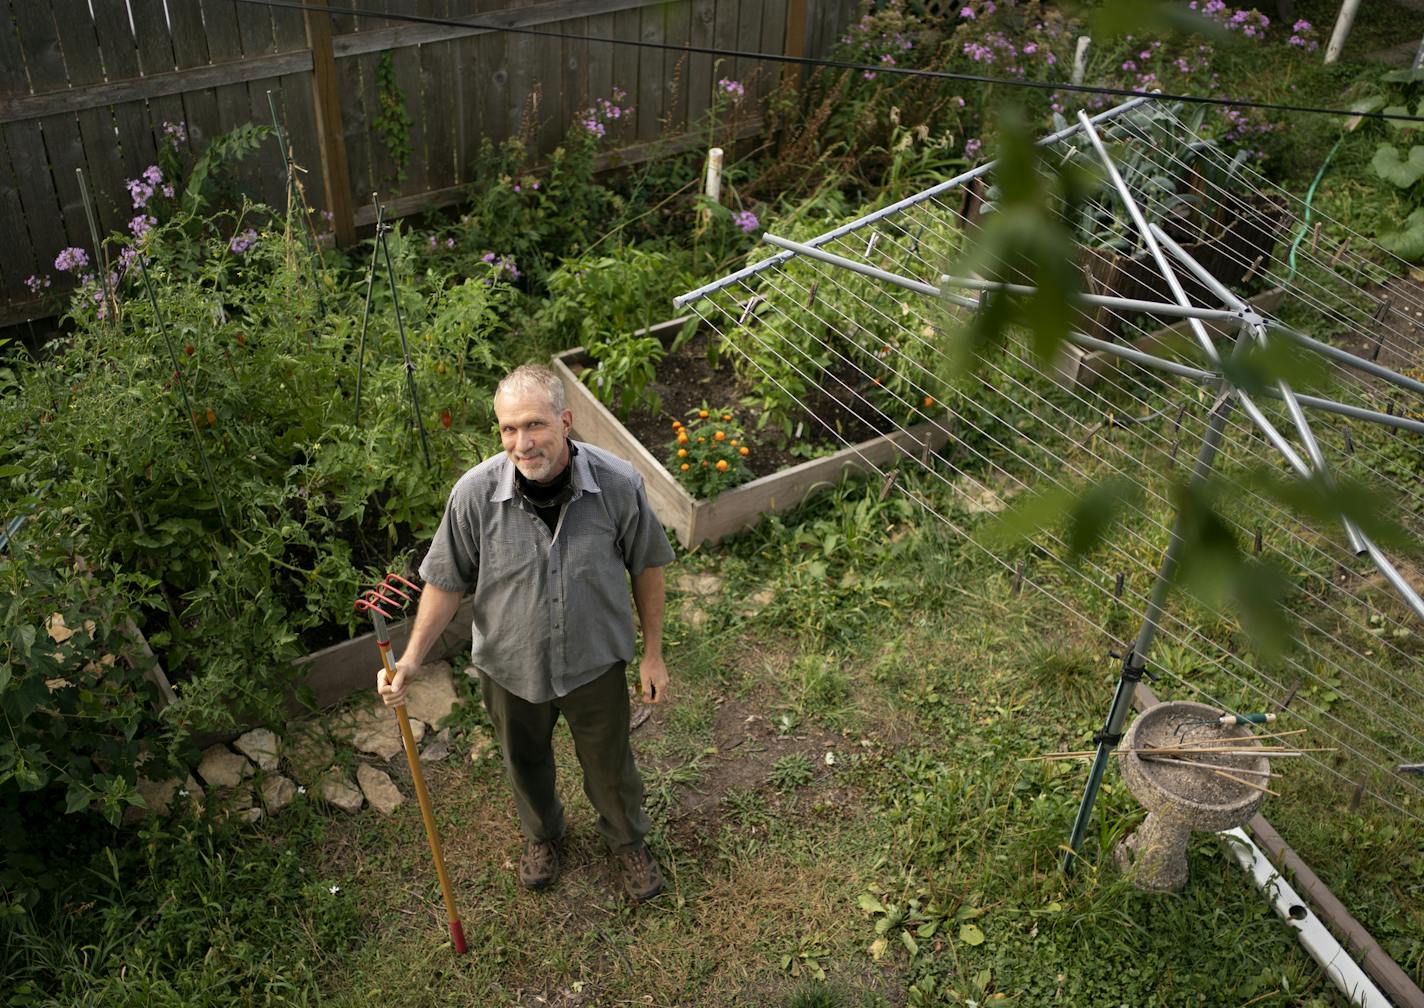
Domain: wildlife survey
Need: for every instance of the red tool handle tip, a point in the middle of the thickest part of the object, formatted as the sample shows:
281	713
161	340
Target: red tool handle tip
457	934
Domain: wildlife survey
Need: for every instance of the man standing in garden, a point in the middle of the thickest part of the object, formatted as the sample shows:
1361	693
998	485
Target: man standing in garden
547	536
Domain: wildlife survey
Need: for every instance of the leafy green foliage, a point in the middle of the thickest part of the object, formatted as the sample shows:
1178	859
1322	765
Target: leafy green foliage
392	121
605	303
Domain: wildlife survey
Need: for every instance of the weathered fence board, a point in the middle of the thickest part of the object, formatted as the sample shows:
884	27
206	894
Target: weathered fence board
82	88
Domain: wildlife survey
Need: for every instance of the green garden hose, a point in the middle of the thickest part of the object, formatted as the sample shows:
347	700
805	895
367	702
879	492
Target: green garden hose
1305	218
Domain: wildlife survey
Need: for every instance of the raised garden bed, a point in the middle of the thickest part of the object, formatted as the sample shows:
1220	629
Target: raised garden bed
696	521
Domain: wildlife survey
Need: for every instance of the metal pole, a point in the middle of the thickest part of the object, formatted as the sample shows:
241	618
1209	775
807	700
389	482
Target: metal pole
1103	300
366	312
400	328
1134	663
101	266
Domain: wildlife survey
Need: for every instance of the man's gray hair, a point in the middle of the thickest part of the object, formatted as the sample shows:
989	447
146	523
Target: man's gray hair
535	378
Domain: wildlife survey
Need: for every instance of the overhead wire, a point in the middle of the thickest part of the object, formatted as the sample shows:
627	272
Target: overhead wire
496	24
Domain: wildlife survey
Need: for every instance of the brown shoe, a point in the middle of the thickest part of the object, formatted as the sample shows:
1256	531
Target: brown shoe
539	864
642	878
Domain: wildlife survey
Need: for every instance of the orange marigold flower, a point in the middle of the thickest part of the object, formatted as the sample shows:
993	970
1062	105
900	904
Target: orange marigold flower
705	463
700	439
703	414
684	467
929	401
726	416
681	437
719	436
682	453
721	465
744	450
677	425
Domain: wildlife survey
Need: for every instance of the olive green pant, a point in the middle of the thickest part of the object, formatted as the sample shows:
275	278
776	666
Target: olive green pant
597	714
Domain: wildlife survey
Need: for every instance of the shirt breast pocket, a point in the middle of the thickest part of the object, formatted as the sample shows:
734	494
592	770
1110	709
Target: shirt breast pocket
591	548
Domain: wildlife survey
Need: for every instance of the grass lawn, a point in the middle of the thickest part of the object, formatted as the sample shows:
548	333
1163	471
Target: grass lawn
842	815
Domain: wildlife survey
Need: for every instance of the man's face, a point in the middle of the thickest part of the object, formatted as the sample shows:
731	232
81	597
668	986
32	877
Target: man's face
534	436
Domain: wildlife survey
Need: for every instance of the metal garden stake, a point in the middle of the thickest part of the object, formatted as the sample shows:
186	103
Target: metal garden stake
390	595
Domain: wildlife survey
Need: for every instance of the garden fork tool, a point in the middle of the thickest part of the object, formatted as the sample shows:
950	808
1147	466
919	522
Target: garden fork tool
380	601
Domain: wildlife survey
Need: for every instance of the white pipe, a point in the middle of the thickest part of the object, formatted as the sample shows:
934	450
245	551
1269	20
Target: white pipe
1343	23
712	188
1080	59
1338	964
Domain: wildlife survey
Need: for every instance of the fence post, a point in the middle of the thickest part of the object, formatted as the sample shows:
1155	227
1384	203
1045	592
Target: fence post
794	44
331	140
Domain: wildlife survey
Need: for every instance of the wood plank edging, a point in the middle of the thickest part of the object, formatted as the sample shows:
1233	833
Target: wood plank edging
697	521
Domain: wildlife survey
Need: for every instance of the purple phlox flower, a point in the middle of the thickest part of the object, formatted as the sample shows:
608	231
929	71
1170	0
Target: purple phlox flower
37	283
534	185
153	175
972	147
243	243
1030	48
1050	59
518	187
966	13
1301	26
449	243
487	257
433	242
141	192
168	190
177	132
734	88
72	258
747	221
141	224
1129	66
958	101
328	216
868	74
990	7
888	60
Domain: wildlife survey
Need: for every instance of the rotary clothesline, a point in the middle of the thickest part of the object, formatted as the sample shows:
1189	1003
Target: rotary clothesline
910	240
1188	638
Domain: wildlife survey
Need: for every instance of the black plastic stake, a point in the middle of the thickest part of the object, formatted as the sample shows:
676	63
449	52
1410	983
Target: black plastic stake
400	328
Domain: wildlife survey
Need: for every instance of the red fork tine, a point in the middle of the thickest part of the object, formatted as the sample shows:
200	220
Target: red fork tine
364	604
415	588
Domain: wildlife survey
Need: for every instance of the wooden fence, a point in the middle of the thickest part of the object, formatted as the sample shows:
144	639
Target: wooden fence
91	84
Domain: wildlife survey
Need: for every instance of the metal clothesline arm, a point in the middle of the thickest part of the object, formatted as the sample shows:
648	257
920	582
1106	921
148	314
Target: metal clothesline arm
1101	300
682	300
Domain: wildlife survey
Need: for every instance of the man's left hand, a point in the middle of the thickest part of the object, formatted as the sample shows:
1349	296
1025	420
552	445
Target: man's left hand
652	674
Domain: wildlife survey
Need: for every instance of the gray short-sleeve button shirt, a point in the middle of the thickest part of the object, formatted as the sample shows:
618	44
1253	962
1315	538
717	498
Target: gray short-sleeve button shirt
552	611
